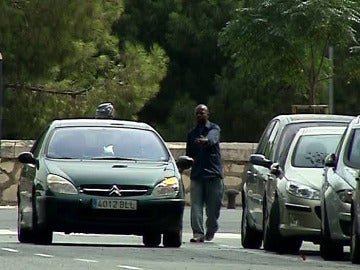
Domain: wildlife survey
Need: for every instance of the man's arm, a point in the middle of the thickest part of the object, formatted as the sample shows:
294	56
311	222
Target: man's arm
213	137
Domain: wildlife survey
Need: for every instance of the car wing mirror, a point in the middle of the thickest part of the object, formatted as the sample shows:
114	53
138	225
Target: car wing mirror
184	162
330	160
27	158
275	169
259	159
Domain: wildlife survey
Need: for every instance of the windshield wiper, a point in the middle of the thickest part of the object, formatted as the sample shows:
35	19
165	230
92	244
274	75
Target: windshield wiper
113	158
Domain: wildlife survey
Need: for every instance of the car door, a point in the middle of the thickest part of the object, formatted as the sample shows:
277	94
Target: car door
26	180
257	175
269	180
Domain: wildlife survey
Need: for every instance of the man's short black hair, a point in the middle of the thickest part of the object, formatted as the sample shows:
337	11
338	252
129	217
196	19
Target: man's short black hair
105	111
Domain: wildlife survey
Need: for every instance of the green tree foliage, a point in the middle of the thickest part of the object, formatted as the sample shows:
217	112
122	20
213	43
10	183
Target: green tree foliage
288	41
242	107
155	60
67	47
187	30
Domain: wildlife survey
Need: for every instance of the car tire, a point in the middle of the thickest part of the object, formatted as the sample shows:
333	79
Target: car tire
329	250
25	235
272	239
152	239
355	243
42	235
250	238
172	238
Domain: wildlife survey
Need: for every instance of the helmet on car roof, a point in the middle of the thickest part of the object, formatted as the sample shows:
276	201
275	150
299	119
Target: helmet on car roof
105	111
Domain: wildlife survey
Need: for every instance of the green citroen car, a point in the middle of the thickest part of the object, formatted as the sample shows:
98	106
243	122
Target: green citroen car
101	176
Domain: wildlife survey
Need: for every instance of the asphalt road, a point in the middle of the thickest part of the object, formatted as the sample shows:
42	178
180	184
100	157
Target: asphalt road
79	251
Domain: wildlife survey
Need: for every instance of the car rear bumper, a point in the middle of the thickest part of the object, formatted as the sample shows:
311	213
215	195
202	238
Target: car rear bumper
78	215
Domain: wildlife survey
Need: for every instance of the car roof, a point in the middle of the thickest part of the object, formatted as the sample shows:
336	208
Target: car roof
313	117
322	130
99	123
355	123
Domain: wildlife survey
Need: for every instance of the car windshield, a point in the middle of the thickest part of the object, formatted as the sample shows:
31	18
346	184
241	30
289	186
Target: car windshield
353	154
107	143
311	150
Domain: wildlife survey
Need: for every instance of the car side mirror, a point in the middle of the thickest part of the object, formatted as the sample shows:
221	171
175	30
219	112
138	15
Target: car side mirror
184	162
275	169
330	160
27	158
260	160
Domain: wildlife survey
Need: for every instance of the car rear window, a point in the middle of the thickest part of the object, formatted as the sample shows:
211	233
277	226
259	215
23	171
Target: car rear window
311	150
107	143
290	130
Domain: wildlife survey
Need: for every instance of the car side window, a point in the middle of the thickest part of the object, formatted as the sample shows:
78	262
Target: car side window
269	146
354	149
341	144
37	145
265	137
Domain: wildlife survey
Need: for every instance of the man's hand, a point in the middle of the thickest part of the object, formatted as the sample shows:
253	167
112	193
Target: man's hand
202	140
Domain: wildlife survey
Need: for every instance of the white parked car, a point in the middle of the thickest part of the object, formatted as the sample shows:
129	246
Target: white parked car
293	188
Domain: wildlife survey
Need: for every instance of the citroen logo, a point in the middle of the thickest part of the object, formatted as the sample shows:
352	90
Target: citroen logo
115	191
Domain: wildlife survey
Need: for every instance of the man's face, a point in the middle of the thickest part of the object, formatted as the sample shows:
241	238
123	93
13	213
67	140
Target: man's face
202	114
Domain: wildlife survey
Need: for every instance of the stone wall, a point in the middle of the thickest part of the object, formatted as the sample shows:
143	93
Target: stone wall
234	155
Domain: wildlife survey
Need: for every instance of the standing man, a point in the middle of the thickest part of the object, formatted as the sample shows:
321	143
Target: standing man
206	184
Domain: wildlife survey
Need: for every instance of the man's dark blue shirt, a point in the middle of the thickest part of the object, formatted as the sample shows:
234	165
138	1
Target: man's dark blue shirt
207	157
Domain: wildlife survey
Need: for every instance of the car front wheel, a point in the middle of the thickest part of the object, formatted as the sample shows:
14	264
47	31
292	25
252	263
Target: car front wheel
272	238
152	239
250	238
42	235
25	235
329	250
172	238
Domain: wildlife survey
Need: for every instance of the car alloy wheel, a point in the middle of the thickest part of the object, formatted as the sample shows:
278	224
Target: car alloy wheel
355	242
250	238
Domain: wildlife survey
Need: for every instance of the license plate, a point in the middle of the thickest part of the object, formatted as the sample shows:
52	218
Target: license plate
115	204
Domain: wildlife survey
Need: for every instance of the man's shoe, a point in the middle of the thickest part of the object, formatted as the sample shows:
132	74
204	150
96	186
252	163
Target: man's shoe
197	239
209	236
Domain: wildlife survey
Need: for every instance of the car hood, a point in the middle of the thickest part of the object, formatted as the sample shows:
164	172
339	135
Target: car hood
311	177
111	172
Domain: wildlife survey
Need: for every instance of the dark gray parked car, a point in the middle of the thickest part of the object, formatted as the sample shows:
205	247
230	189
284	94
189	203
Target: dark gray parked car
355	218
338	208
256	202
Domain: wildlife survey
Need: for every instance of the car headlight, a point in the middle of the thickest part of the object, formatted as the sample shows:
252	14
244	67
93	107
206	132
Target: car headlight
345	195
59	184
167	187
302	191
